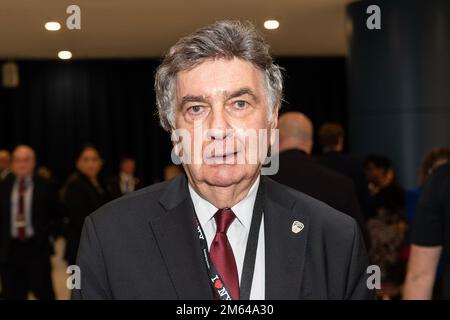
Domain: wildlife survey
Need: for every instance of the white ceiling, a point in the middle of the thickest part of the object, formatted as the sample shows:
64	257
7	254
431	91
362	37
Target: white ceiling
147	28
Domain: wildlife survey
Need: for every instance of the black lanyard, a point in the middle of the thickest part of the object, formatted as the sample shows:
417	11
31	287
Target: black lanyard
217	284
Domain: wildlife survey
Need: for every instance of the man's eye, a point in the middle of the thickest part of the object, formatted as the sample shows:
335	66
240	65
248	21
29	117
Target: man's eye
240	104
195	109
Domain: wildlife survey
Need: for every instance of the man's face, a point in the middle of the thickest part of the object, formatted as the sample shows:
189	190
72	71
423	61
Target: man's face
128	166
23	162
220	98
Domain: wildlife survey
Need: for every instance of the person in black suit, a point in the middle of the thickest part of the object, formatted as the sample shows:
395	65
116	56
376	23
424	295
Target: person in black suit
331	138
28	214
125	182
301	172
82	194
220	231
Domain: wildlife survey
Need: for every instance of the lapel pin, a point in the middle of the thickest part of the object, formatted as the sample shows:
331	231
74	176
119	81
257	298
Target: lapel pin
297	226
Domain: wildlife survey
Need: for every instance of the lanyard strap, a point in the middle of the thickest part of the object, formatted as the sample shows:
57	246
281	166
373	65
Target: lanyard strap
252	244
217	282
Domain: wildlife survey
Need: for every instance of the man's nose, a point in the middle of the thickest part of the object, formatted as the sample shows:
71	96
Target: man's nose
219	128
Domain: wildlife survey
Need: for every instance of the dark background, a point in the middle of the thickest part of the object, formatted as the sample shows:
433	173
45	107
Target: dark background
62	105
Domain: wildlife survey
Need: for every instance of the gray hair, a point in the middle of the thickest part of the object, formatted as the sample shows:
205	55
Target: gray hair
225	39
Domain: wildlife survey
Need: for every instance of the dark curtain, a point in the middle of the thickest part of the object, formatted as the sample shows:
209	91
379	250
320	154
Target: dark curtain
61	105
318	88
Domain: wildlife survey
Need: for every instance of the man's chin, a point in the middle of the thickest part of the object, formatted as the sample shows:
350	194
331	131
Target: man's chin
224	175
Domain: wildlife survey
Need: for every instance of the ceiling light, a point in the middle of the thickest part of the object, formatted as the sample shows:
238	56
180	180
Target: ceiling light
65	55
52	26
271	24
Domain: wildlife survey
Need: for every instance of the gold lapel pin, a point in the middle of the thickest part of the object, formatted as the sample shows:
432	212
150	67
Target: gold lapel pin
297	226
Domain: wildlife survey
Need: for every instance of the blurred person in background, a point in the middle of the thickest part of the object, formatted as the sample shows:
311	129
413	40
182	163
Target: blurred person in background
300	171
28	213
126	181
331	138
82	194
44	172
385	191
434	159
387	227
5	163
430	238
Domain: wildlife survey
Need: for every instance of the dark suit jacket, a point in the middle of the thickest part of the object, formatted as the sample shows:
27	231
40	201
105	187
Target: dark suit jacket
80	198
353	168
114	186
299	171
145	246
45	215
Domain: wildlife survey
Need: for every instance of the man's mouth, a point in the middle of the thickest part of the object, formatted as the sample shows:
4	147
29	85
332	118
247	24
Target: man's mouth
223	158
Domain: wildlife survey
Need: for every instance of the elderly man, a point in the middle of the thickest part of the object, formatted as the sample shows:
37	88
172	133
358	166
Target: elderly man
222	231
28	211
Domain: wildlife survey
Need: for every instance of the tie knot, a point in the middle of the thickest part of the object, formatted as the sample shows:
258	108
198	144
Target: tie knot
22	184
224	217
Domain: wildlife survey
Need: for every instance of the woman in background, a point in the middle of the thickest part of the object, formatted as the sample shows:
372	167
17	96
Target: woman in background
82	194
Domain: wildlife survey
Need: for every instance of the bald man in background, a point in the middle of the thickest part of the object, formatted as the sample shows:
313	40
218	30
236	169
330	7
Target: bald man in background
5	163
299	170
28	210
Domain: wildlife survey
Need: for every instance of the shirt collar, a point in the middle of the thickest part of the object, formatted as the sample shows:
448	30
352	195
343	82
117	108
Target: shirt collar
243	210
28	180
124	175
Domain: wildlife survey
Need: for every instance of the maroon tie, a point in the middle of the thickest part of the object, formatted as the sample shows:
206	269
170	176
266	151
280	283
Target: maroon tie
222	254
21	218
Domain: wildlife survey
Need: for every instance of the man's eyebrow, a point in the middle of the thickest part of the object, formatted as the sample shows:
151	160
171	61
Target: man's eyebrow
191	98
231	95
241	92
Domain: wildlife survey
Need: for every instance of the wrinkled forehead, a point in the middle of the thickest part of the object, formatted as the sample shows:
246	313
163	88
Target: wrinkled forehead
219	78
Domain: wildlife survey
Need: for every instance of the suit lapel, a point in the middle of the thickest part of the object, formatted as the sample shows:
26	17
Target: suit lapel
176	236
285	250
35	201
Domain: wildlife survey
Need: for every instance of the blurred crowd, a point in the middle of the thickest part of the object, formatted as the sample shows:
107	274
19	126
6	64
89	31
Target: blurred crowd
33	213
397	224
407	232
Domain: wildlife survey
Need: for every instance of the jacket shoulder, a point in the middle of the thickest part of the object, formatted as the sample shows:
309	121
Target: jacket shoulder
320	214
140	203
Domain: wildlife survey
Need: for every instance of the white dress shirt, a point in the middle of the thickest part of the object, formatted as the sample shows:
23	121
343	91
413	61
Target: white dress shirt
126	183
237	234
